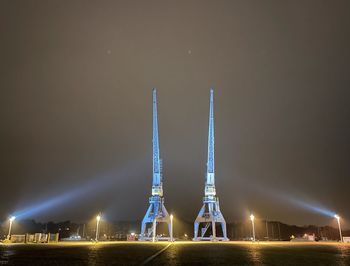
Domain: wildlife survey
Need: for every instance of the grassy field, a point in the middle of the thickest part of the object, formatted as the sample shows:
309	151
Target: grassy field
178	253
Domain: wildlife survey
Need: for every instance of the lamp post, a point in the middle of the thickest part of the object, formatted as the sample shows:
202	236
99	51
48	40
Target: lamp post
252	219
12	218
154	226
338	220
98	218
171	228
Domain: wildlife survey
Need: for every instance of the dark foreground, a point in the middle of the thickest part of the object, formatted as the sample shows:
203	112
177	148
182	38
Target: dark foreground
179	253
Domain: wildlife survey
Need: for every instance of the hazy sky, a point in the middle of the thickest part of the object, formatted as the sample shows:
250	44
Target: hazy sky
76	82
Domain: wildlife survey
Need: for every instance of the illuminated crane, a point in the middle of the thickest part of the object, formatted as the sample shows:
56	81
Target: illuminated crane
210	213
156	212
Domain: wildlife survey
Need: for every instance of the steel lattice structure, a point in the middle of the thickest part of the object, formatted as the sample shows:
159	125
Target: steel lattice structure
156	212
210	213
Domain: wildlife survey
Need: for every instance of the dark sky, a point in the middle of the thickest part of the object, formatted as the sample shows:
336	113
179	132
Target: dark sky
76	80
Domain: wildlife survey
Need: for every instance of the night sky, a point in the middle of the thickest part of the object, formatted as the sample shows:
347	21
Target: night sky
76	81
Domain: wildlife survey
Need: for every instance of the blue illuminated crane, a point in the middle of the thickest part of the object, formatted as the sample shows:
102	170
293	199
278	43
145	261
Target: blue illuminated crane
156	212
210	213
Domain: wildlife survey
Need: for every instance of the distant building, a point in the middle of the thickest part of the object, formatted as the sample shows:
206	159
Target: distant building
304	238
346	239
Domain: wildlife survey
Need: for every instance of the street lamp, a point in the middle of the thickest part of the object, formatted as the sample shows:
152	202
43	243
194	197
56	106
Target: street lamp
154	226
338	220
171	228
11	219
98	218
252	219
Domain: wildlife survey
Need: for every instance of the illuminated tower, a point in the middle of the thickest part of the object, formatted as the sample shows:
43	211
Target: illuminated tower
210	213
156	212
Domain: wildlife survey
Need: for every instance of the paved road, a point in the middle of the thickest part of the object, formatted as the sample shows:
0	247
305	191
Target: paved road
190	253
254	254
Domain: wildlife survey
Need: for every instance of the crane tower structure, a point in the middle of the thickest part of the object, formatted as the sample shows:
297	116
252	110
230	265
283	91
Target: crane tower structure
210	213
156	212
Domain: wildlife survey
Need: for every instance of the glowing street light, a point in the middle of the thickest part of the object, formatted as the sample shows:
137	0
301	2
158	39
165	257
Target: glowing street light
252	219
12	218
171	228
338	220
98	218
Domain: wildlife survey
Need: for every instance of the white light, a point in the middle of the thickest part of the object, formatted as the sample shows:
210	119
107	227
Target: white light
171	216
340	233
253	227
98	218
11	219
132	233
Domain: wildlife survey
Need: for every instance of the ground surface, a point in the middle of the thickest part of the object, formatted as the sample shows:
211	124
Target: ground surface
179	253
